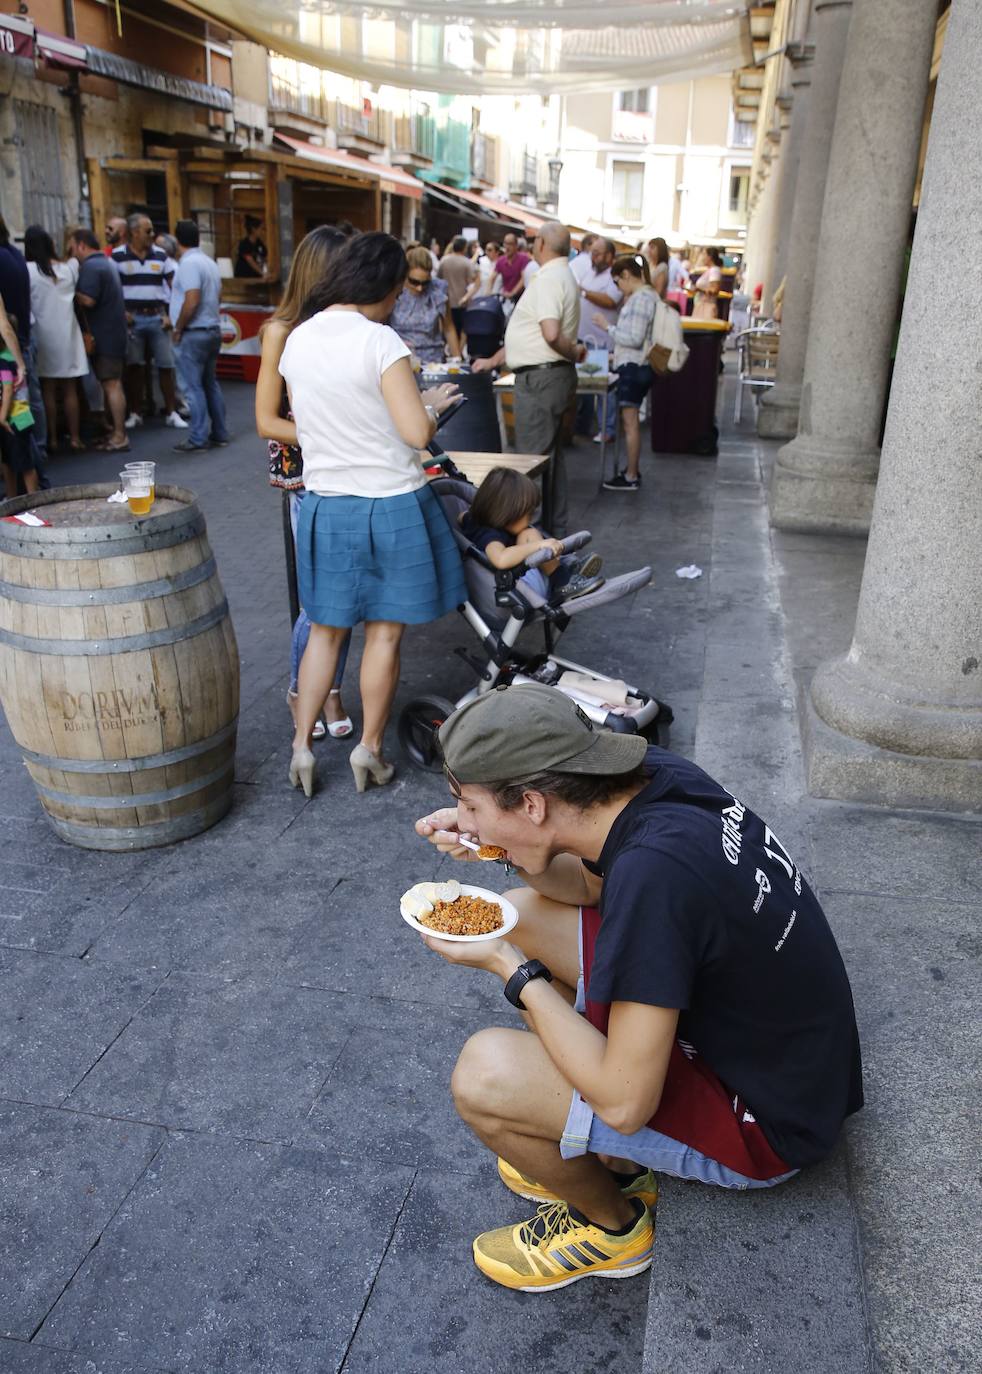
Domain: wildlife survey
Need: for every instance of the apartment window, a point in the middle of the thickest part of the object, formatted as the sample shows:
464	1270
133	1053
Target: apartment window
635	101
626	193
739	191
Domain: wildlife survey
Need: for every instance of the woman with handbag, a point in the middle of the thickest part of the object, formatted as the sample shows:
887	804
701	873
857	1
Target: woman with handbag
631	335
311	264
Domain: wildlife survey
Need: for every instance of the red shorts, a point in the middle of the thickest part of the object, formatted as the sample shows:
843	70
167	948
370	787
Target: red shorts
696	1109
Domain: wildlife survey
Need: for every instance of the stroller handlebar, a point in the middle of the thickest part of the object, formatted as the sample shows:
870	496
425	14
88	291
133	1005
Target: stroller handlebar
571	543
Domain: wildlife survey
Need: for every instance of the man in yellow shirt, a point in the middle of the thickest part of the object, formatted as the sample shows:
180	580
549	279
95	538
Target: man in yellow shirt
541	349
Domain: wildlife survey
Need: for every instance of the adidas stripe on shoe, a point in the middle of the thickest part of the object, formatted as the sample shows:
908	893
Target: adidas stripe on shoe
559	1246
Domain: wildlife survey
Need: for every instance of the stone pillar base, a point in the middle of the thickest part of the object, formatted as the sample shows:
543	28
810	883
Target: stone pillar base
847	769
777	415
822	492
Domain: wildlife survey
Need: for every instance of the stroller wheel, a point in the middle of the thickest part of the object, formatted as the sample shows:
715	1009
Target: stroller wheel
657	731
418	730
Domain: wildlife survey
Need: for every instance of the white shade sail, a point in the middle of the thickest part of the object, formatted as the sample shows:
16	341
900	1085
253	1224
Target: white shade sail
465	47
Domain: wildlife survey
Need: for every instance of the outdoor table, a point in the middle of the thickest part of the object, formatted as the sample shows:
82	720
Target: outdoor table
683	404
476	466
596	384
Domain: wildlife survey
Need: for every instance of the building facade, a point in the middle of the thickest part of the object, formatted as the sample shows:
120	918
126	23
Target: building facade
670	160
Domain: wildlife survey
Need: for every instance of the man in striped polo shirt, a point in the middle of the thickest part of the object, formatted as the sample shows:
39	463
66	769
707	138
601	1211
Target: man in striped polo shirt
146	275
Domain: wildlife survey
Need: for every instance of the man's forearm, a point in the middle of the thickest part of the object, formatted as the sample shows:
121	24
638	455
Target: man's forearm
599	298
575	1047
569	348
565	880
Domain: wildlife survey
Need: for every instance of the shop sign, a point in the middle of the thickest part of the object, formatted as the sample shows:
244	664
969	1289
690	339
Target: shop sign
16	36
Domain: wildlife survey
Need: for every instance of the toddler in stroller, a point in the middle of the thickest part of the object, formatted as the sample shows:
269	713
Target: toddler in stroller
501	604
499	523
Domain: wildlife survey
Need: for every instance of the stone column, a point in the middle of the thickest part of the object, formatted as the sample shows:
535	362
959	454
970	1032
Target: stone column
898	719
777	417
825	478
801	57
760	248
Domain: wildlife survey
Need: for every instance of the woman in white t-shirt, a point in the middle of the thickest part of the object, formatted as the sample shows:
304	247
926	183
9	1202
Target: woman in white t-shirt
373	543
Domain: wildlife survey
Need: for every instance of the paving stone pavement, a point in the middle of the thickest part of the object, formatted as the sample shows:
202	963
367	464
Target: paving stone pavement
228	1141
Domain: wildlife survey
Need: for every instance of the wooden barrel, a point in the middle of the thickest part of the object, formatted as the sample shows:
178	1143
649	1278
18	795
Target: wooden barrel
119	670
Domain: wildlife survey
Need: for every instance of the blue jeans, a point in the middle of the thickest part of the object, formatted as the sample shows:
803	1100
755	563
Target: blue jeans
196	356
39	433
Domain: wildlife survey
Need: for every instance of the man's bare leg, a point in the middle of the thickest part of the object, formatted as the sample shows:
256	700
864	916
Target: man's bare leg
513	1097
550	931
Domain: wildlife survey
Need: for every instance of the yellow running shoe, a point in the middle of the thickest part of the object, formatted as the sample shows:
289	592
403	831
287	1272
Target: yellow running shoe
558	1246
645	1187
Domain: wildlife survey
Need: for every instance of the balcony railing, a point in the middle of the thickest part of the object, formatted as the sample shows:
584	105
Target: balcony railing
414	134
525	176
547	192
349	121
484	157
287	96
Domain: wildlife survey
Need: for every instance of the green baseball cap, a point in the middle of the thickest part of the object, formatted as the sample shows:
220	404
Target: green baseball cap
516	732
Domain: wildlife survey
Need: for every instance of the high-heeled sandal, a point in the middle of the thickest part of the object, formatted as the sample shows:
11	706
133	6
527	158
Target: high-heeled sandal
319	730
302	770
339	729
365	765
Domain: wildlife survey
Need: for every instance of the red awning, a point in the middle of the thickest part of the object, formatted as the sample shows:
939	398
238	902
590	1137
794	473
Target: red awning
62	52
508	209
392	179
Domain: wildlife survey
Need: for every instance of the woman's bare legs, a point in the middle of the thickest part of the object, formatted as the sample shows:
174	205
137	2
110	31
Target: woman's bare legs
379	678
69	399
632	440
49	395
318	668
50	389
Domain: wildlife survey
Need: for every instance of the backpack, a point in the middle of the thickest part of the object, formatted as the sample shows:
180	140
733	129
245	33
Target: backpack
667	349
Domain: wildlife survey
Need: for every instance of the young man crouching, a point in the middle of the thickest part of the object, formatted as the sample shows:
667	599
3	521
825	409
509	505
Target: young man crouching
690	1009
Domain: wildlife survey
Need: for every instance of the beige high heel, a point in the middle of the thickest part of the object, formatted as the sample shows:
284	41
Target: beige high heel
302	770
365	765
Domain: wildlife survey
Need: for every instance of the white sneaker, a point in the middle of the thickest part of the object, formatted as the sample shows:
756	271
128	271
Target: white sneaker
175	421
599	438
133	420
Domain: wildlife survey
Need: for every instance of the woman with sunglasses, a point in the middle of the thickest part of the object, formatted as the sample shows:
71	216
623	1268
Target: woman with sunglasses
421	315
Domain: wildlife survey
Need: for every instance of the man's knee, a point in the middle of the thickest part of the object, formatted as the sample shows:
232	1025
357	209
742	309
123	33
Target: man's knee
481	1076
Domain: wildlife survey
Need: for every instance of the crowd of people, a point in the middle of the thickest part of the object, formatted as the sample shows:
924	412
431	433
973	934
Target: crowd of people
658	914
359	316
93	323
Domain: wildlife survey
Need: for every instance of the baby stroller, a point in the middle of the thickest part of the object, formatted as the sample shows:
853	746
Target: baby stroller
498	608
484	326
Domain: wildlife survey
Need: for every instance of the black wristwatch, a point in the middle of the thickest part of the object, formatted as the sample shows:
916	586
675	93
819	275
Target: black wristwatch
532	968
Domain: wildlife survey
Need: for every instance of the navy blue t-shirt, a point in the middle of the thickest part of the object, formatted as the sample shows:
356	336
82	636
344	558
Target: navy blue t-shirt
705	910
483	535
15	290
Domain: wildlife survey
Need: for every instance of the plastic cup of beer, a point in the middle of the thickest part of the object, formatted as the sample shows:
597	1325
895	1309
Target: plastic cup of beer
148	468
137	487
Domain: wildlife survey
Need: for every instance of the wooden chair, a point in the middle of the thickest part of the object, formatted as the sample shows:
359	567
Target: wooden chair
757	351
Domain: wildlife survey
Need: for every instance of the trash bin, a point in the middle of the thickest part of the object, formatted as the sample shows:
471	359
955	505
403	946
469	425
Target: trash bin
683	404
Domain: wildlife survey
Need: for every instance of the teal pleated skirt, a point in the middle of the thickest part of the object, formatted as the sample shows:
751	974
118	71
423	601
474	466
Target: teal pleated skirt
392	558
